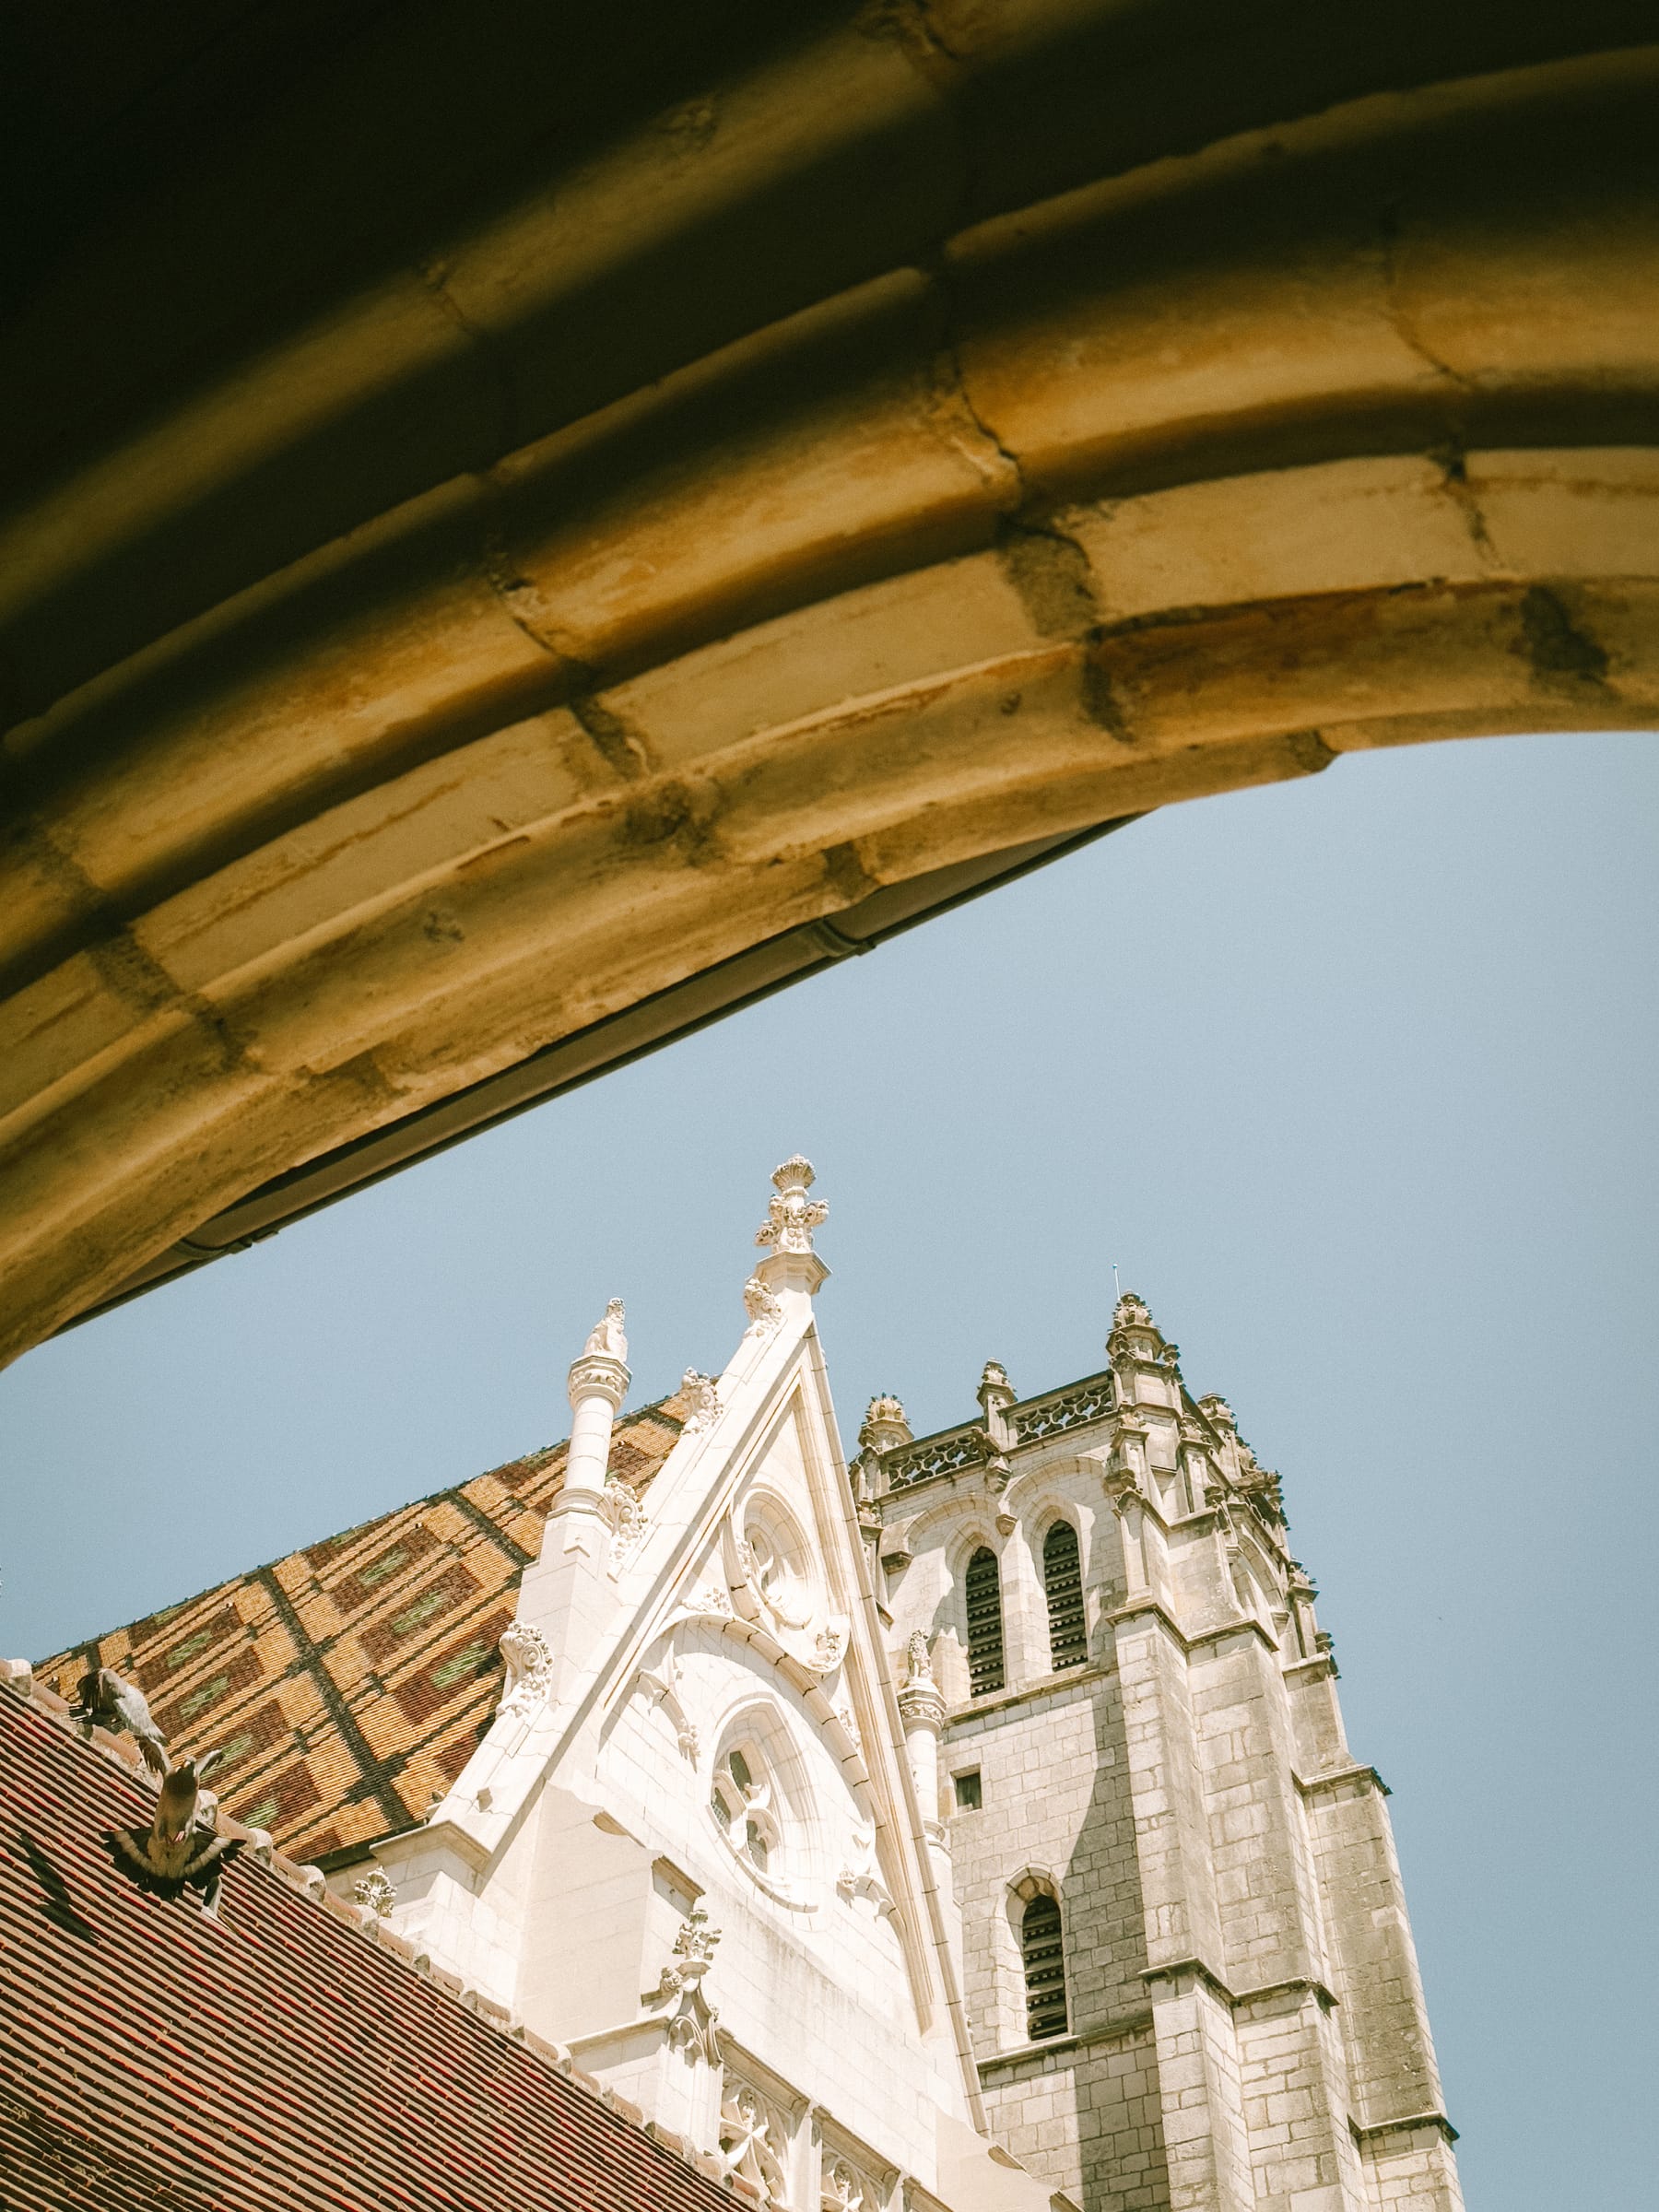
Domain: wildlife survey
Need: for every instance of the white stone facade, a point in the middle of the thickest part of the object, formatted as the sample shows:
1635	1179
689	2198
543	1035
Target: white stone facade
1244	2027
744	1839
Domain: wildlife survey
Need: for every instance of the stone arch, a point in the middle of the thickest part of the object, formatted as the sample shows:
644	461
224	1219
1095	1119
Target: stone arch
1032	1885
983	1605
1175	417
1061	1562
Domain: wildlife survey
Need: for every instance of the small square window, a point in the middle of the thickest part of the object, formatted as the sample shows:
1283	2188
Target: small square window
969	1796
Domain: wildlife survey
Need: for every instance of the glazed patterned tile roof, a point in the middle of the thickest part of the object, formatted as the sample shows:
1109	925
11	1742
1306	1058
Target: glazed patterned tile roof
283	2058
349	1683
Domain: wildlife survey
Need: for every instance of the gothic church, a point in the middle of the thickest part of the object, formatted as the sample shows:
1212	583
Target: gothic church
968	1828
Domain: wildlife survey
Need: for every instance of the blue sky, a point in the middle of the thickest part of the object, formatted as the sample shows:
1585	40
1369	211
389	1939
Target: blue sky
1353	1079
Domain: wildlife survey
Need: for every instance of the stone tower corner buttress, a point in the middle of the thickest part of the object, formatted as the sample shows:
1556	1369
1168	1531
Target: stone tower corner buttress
1189	1969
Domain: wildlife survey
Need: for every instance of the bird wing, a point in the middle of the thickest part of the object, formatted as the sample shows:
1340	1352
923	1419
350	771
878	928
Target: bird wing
215	1851
130	1848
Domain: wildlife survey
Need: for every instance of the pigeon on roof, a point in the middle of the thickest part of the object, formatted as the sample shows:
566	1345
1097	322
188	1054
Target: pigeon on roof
175	1852
104	1700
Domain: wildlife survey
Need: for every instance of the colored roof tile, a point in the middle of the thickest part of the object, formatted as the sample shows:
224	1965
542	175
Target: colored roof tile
351	1681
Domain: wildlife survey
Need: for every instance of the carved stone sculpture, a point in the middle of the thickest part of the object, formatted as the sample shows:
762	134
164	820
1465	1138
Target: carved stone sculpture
607	1336
529	1667
701	1397
753	2142
626	1518
375	1893
791	1215
763	1307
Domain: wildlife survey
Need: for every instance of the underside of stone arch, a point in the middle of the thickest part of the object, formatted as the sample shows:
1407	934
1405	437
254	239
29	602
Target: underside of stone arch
521	536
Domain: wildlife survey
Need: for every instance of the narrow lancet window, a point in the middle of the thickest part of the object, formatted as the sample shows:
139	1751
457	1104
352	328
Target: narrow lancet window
1063	1581
984	1623
1044	1969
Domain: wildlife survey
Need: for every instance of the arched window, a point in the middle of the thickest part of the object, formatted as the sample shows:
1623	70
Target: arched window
1044	1959
1063	1581
984	1623
744	1803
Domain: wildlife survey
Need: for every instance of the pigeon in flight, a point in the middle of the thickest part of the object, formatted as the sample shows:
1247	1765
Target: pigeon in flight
178	1851
105	1701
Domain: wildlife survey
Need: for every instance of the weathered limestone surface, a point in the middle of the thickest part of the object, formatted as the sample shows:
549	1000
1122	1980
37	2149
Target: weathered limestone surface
689	1850
1245	2029
501	517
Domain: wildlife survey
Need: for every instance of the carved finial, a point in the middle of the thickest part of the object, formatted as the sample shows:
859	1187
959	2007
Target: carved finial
695	1941
693	1956
885	1425
1135	1335
996	1395
606	1336
791	1217
375	1894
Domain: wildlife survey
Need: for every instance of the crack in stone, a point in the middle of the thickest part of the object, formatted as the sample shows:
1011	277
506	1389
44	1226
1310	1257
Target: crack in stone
1388	231
501	575
434	279
135	976
1452	462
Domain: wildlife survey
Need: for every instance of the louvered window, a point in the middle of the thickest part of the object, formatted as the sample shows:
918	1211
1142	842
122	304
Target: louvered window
1063	1580
984	1623
1044	1969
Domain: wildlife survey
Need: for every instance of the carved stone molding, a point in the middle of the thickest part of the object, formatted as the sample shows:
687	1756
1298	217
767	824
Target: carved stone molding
755	2142
845	2187
529	1667
764	1308
713	1601
1079	1406
860	1875
692	2030
626	1518
663	1684
702	1396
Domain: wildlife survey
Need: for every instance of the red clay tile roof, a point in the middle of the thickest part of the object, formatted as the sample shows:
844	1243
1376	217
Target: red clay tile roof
349	1683
282	2059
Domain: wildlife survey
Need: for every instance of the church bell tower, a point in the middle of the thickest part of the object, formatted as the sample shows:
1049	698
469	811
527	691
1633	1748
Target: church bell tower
1189	1971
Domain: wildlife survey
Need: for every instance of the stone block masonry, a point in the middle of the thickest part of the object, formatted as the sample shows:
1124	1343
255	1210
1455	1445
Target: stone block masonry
1245	2029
